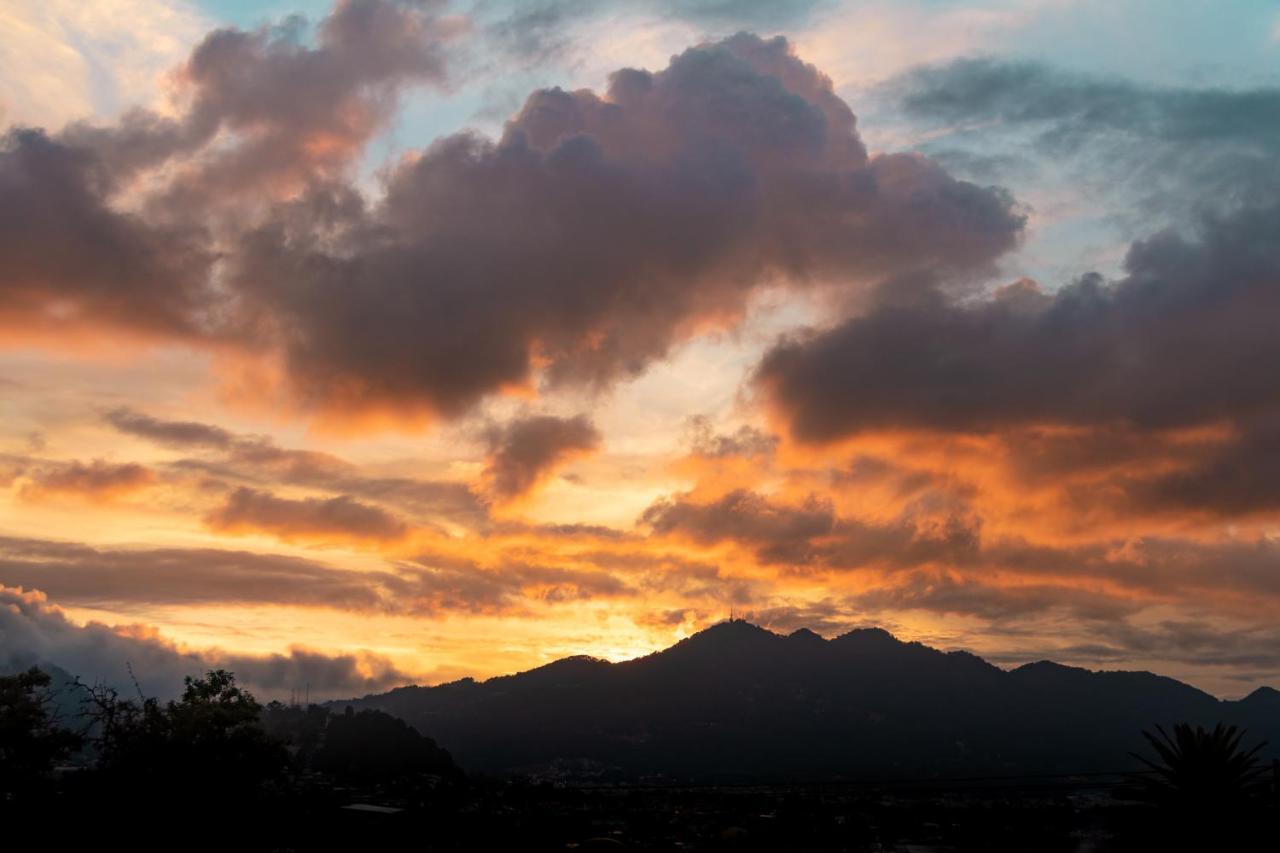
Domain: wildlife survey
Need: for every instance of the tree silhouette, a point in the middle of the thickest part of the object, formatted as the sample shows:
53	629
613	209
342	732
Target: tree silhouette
207	743
31	741
1205	788
1201	769
375	745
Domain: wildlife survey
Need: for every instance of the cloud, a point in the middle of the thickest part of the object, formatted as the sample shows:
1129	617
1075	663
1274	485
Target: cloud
1235	477
746	441
597	233
825	617
34	631
940	592
1174	149
128	577
296	110
301	110
259	460
1077	107
781	532
935	555
169	433
1181	340
428	584
525	451
538	31
83	243
98	480
442	583
811	534
1195	642
71	259
340	518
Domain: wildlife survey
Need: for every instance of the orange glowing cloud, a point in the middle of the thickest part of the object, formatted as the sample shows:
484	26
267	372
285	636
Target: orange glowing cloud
98	481
528	450
339	519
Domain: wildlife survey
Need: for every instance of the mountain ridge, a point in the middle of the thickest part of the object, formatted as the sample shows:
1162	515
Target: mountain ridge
738	702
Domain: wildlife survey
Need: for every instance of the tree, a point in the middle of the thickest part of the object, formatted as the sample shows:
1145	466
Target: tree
1204	787
31	741
207	744
1200	769
373	745
216	725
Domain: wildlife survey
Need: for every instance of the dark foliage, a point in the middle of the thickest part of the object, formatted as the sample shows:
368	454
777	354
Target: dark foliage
31	741
372	745
1206	791
207	744
1199	768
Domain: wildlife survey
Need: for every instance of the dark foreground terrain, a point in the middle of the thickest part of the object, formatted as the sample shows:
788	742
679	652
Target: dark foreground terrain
1036	817
736	739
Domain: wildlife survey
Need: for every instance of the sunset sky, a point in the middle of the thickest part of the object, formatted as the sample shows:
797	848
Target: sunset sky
356	345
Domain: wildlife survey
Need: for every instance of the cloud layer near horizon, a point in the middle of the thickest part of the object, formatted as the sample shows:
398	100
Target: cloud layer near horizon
35	632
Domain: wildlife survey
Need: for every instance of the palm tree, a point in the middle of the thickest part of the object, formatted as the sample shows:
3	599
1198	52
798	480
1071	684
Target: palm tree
1199	769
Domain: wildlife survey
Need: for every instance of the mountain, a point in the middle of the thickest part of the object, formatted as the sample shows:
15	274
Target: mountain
737	702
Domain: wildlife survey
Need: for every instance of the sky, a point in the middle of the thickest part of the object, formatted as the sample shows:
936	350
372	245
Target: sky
357	344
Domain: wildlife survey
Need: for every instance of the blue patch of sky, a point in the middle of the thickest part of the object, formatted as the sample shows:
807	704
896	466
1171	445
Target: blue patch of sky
248	14
1081	222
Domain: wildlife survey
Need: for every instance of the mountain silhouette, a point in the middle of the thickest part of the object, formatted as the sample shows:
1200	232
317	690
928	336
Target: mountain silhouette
736	702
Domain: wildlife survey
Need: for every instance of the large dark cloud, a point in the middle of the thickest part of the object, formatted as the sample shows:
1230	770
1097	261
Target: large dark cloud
34	631
82	243
68	257
527	449
1131	367
1185	338
596	232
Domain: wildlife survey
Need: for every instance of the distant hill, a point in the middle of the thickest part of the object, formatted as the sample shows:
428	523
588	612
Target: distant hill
737	702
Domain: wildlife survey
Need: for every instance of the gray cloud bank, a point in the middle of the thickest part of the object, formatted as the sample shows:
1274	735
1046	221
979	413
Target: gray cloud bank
33	632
